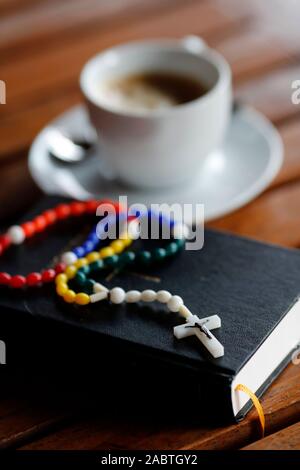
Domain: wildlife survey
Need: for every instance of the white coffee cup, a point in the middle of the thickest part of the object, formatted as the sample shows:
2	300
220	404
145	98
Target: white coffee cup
162	147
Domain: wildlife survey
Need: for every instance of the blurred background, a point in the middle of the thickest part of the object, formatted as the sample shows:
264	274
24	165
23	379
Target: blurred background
43	45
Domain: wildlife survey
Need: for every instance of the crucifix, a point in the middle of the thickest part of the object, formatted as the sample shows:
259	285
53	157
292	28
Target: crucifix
201	328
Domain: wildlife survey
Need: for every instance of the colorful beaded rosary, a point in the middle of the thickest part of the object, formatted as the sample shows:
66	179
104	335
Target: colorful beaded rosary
93	291
17	234
83	261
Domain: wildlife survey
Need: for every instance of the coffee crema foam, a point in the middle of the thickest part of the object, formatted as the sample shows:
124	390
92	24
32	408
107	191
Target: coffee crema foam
150	91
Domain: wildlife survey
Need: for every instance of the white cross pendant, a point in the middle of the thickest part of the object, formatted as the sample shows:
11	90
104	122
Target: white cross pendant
201	328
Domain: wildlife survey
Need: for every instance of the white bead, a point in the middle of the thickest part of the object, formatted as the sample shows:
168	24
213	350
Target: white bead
163	296
99	296
134	230
117	295
16	234
181	231
133	296
148	295
175	303
69	258
99	288
185	313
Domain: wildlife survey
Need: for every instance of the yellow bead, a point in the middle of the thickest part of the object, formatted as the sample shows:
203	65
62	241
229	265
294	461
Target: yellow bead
106	252
71	271
118	246
93	256
70	296
81	262
62	289
127	241
61	278
82	299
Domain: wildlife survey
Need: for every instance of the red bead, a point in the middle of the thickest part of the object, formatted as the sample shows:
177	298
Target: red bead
17	282
77	208
40	223
60	268
91	206
33	279
63	211
48	275
29	228
5	279
50	216
5	241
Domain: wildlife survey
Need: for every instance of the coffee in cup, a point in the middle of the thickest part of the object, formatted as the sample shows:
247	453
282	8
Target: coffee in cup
147	91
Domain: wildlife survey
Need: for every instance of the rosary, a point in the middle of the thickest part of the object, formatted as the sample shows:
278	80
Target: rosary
80	265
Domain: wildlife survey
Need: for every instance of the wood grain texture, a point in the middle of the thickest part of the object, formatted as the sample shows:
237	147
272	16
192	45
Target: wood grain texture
286	439
27	31
281	406
273	217
43	45
271	94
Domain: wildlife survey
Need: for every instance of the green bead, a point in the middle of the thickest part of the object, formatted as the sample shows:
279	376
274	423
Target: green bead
180	242
80	278
84	269
111	261
97	265
127	258
88	286
159	254
171	249
145	257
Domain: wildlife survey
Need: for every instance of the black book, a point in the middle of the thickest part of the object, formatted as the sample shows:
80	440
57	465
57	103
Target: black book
252	286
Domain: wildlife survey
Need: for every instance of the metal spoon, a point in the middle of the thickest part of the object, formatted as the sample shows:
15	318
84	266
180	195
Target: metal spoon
68	150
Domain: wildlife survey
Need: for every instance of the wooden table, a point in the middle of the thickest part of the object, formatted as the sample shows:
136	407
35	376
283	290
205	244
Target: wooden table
43	45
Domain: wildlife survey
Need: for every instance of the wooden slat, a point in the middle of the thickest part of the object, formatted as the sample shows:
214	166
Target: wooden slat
50	22
274	217
287	439
254	52
11	6
56	68
18	190
272	93
290	171
18	131
281	404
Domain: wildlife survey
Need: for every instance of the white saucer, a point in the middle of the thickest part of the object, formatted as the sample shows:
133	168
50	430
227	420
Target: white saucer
251	157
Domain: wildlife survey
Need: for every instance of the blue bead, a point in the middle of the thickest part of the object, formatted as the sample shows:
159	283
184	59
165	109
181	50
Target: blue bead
93	237
88	246
79	251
